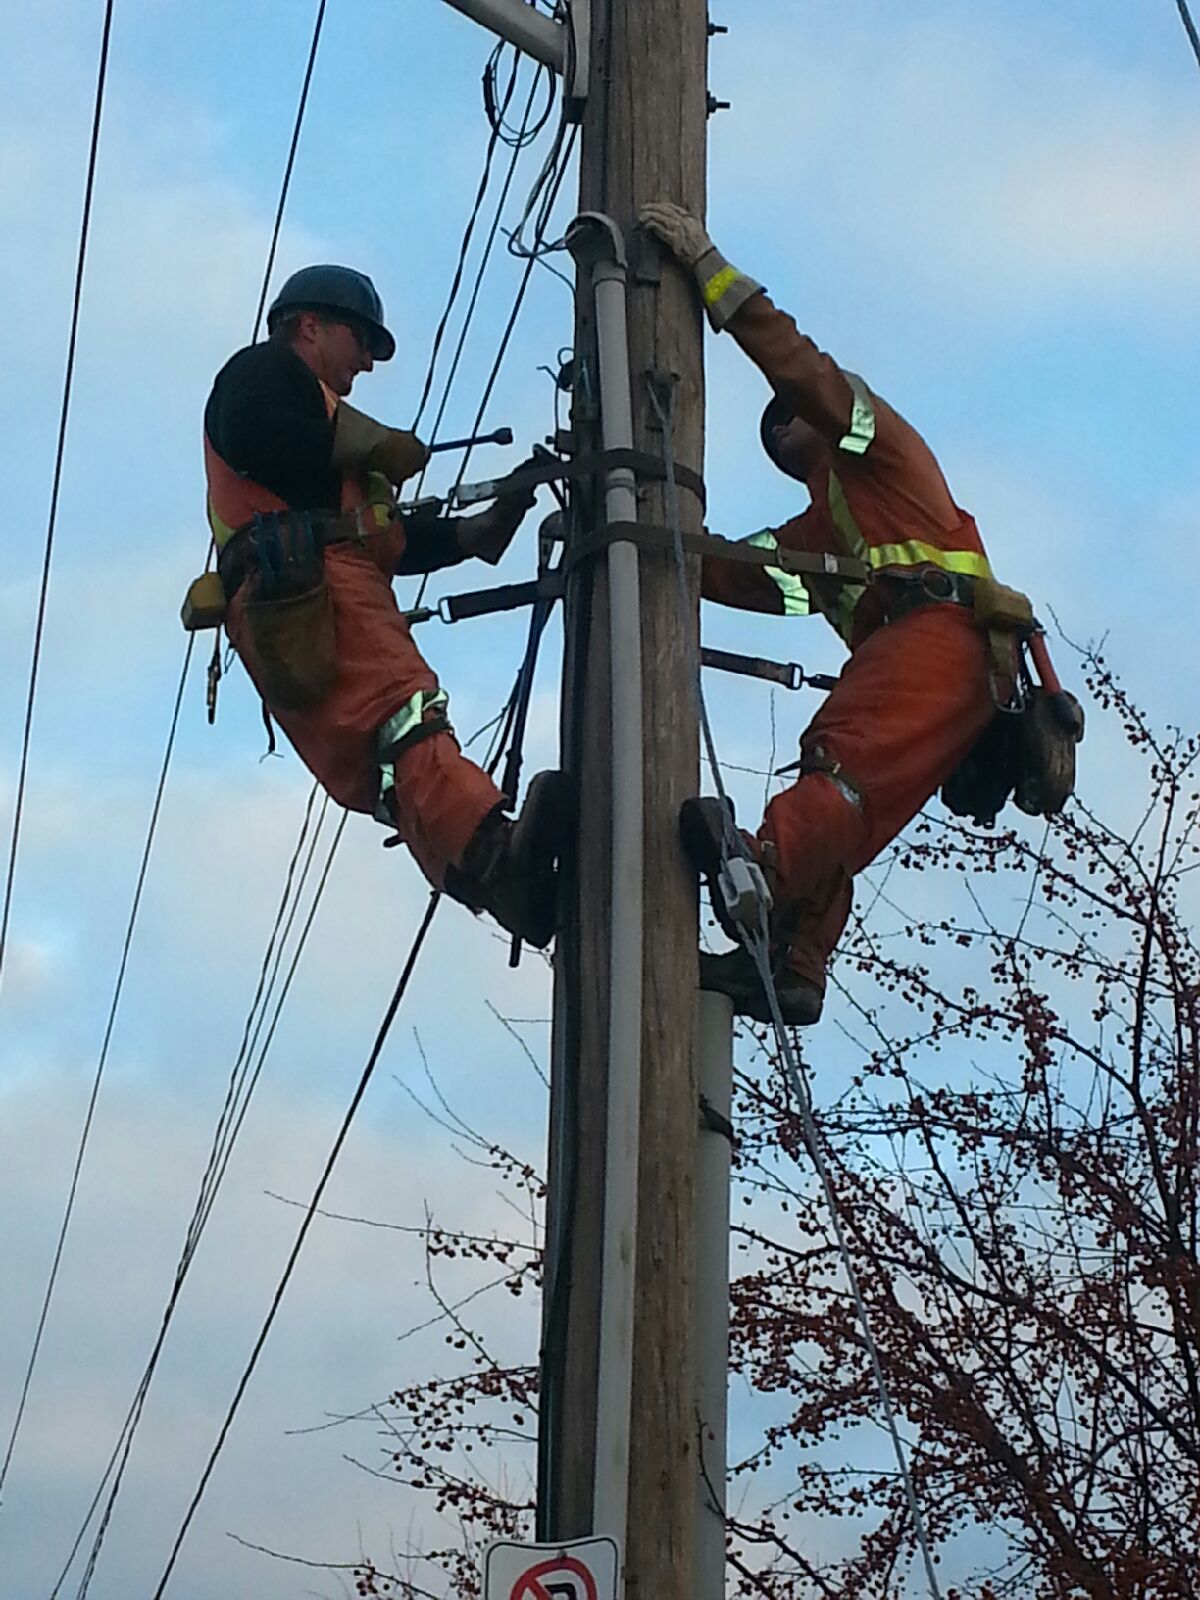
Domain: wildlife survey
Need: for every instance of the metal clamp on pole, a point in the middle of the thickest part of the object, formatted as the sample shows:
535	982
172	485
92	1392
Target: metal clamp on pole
561	46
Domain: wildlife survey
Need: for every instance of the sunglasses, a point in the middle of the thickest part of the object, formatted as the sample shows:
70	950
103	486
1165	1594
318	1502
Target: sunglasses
361	335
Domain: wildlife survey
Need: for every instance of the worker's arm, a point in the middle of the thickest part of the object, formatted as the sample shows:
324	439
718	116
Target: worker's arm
808	381
266	418
433	542
361	445
754	588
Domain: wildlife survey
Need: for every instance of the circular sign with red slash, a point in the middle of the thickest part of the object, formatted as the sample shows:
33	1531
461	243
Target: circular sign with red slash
561	1578
584	1569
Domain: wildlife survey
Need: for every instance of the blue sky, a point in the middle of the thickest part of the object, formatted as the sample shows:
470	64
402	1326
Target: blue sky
990	212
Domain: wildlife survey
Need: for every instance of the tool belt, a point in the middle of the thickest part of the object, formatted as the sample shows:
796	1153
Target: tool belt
930	587
270	537
289	613
1028	749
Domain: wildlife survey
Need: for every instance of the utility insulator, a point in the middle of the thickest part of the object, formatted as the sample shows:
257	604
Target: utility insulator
716	27
715	105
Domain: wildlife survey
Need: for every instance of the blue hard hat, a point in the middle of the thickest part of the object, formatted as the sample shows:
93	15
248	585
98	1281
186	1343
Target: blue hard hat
336	291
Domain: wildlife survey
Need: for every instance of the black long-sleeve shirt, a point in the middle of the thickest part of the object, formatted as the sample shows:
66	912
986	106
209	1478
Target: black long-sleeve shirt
266	418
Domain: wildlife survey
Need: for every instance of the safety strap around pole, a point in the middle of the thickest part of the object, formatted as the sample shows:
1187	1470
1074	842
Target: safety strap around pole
652	536
554	469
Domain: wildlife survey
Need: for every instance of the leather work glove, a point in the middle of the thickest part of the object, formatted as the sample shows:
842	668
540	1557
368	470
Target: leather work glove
361	444
722	287
489	534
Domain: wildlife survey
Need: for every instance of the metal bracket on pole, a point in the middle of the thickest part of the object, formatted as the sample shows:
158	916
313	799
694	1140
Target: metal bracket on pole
564	47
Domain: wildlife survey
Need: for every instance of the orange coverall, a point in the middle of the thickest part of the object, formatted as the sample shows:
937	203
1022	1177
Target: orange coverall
440	797
914	696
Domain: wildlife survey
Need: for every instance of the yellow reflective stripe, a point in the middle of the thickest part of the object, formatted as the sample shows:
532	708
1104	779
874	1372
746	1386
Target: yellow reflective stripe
221	531
718	283
862	419
397	727
843	519
916	553
796	601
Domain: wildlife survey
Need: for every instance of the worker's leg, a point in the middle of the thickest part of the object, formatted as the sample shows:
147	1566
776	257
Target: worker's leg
377	715
380	741
437	798
910	704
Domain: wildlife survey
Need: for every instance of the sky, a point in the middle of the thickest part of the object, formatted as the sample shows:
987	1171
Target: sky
993	213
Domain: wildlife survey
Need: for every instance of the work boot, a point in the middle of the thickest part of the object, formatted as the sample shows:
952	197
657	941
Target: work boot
704	828
510	868
735	974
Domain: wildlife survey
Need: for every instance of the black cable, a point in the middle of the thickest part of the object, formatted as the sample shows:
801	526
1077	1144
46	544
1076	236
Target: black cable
287	171
99	1074
468	232
435	898
310	1213
481	270
1186	18
60	451
209	1188
530	263
170	744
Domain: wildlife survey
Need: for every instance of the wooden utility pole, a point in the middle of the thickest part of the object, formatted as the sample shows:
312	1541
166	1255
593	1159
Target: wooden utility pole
644	137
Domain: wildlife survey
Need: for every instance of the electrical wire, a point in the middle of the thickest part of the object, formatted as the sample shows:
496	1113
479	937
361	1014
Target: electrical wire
508	719
99	1073
289	165
224	1139
1185	16
152	829
56	485
757	946
468	232
302	1234
517	146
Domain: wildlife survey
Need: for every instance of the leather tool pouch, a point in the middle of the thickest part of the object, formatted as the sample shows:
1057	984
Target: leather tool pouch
1051	727
289	614
980	786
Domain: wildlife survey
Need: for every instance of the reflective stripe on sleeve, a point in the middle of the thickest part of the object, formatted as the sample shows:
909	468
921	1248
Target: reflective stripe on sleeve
795	595
718	284
862	419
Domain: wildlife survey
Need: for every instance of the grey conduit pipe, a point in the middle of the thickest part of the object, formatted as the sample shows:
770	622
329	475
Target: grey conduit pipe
595	242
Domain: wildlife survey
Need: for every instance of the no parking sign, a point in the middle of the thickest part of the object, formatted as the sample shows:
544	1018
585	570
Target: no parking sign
585	1569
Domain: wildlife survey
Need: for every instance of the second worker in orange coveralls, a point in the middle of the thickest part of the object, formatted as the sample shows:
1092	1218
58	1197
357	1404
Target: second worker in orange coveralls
917	692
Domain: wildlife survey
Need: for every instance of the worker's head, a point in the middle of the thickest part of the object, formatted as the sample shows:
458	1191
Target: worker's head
792	444
333	318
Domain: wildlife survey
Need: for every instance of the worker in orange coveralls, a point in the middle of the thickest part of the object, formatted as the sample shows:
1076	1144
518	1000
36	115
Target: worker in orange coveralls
917	692
302	509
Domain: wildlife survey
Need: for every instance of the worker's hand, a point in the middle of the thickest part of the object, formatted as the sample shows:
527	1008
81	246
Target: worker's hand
489	534
360	444
723	289
682	234
398	455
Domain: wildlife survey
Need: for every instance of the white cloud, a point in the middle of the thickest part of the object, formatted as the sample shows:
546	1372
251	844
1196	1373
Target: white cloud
991	166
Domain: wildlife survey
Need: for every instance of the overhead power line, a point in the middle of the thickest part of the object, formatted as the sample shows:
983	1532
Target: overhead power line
172	731
99	1074
509	728
243	1081
59	454
1190	27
